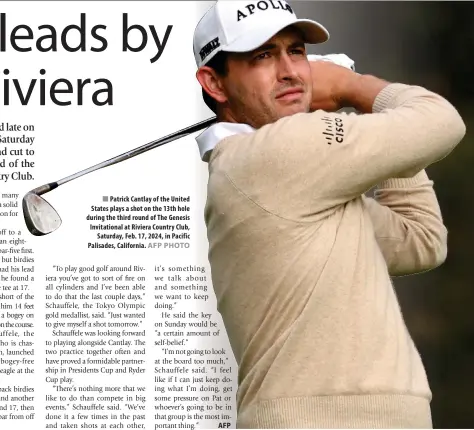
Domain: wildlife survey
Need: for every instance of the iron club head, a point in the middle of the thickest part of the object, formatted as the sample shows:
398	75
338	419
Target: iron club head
40	217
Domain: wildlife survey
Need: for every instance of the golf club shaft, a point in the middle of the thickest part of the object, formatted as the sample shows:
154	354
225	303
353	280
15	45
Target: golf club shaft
134	152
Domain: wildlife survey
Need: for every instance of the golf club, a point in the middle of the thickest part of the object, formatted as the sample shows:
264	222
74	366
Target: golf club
41	218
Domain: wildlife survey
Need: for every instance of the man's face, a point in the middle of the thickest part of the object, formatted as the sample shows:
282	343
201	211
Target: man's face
269	83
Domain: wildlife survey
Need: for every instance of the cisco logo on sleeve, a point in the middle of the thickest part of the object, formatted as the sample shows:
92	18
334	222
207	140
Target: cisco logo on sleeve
334	130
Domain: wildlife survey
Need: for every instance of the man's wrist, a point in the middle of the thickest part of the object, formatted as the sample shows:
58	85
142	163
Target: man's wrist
360	91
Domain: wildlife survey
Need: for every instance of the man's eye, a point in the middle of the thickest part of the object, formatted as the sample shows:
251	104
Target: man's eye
263	55
297	52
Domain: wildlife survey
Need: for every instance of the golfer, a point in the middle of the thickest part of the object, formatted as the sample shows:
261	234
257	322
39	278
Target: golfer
301	259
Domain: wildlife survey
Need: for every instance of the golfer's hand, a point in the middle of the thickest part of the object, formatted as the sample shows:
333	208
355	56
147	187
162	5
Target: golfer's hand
336	87
329	82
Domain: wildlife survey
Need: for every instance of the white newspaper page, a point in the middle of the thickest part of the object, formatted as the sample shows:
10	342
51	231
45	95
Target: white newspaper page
110	320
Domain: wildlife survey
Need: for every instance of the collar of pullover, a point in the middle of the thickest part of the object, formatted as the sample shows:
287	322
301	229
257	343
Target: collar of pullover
209	138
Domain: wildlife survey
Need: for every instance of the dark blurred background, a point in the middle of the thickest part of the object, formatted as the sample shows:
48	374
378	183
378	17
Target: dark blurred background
429	44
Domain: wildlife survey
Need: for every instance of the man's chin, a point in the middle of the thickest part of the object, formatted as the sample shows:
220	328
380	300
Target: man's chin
292	110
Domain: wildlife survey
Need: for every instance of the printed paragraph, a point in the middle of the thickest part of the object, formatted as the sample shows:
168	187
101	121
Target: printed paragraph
16	305
140	222
95	326
192	384
17	402
16	152
91	406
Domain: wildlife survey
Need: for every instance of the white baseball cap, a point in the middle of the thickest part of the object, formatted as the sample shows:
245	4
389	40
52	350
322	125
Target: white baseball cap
242	26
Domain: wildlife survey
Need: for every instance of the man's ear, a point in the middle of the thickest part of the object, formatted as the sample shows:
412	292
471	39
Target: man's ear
211	83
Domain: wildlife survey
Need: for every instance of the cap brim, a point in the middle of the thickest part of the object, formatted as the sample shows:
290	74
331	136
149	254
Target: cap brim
313	32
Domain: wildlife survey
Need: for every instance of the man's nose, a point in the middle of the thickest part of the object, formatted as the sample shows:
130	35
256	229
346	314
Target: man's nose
286	68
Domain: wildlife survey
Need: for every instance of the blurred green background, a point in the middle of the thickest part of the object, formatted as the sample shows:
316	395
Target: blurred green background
429	44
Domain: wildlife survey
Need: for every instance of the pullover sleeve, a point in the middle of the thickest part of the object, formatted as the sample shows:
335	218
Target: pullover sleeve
303	166
408	224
